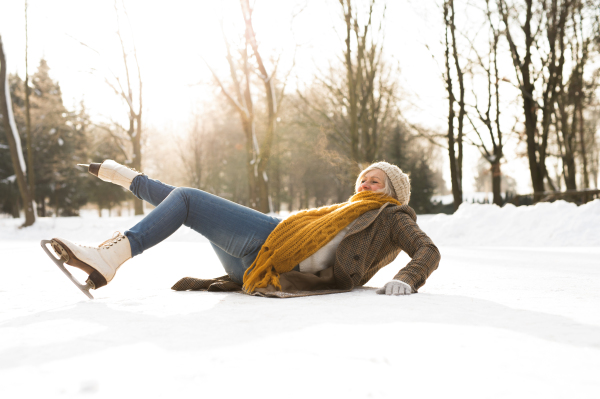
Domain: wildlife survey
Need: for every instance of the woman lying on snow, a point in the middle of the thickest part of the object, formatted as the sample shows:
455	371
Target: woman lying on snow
317	251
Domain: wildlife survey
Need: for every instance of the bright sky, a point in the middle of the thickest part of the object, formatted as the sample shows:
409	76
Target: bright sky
171	41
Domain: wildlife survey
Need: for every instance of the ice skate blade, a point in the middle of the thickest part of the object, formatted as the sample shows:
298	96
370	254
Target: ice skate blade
85	288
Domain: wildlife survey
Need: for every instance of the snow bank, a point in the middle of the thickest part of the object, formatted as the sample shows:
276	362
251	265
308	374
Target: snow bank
557	224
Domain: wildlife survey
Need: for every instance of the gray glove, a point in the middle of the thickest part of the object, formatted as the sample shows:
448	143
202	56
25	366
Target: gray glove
395	287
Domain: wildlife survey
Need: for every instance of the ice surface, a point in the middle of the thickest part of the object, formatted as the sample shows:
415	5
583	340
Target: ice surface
497	320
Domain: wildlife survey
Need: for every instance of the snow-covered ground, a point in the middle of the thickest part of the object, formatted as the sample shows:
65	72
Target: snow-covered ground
512	312
557	224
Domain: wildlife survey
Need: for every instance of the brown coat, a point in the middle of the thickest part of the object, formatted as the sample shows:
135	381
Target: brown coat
372	242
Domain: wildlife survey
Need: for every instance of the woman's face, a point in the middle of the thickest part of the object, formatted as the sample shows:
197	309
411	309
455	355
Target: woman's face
373	180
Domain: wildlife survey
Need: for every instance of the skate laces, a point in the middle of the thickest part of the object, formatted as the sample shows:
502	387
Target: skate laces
117	236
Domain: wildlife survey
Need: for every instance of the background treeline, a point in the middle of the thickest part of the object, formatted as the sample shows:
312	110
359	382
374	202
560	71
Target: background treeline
306	167
525	72
540	59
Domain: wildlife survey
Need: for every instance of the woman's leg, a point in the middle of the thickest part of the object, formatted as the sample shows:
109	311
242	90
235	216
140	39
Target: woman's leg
236	232
150	190
236	267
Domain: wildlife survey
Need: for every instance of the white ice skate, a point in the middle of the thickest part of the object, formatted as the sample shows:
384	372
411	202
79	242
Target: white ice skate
113	172
100	263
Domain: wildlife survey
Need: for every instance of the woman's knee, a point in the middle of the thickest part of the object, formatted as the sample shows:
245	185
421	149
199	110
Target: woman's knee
187	193
191	197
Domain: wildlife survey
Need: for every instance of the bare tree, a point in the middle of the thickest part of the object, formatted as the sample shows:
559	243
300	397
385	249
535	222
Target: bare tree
489	114
131	94
258	151
541	26
593	122
455	137
574	94
191	153
134	131
354	100
14	141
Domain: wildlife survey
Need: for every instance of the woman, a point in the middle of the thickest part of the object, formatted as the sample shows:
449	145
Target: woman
325	250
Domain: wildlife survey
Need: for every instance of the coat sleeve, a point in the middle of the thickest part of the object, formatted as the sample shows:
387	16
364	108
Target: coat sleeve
425	256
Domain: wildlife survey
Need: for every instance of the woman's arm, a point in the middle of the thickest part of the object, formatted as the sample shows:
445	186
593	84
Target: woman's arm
425	256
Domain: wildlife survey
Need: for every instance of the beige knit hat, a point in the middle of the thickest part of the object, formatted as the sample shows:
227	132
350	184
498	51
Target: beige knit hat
399	179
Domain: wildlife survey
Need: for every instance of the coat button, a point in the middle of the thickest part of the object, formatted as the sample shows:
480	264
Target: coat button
356	257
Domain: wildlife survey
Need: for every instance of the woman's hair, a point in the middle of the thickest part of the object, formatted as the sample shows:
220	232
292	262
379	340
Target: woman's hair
388	188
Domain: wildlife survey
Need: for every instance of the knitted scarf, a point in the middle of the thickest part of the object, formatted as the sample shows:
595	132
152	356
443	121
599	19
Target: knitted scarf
302	234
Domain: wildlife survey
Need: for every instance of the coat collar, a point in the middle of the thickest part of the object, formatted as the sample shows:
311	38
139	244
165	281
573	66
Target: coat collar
365	220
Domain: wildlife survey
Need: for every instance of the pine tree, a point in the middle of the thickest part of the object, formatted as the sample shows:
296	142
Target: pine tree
411	156
58	144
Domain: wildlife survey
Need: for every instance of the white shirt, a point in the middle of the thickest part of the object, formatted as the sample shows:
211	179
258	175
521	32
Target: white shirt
325	256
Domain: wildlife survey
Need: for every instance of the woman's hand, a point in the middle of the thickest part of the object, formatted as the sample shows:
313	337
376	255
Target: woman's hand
395	287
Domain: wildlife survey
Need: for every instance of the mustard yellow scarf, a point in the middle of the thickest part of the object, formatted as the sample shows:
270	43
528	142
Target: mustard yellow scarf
302	234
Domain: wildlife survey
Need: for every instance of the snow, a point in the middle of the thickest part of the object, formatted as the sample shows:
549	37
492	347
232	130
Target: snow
557	224
9	179
507	316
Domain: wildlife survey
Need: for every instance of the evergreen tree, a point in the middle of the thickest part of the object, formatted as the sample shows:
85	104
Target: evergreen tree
414	159
59	140
59	144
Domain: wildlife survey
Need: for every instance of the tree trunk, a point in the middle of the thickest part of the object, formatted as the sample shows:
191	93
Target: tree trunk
135	118
569	158
461	101
584	170
530	112
497	183
136	163
42	207
14	141
352	86
495	155
276	177
537	141
264	198
30	168
454	170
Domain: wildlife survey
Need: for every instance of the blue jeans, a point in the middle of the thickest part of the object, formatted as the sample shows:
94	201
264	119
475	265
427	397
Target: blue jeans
235	232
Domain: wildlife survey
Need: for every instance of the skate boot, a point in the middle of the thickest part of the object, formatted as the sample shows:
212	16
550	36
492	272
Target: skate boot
100	263
113	172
